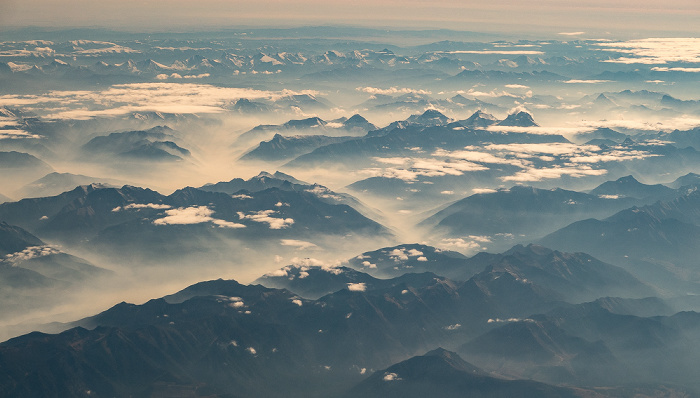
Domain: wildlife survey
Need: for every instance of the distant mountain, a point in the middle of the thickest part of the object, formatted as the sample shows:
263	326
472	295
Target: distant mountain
262	181
403	139
629	187
690	179
4	199
55	183
654	349
155	144
314	281
602	133
539	349
575	276
223	336
245	105
281	148
34	275
391	262
18	162
143	219
314	126
506	77
286	182
445	374
15	239
647	240
520	210
305	102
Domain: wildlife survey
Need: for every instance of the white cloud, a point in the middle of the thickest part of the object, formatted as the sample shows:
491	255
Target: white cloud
264	216
483	190
509	320
300	244
368	264
412	168
139	206
589	81
497	52
186	215
414	253
30	253
122	99
398	255
324	193
539	130
227	224
392	90
282	272
534	174
677	69
517	86
357	287
193	215
678	123
465	244
655	50
571	33
453	327
391	377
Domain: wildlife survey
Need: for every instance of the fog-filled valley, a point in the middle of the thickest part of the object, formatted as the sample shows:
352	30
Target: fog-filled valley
348	212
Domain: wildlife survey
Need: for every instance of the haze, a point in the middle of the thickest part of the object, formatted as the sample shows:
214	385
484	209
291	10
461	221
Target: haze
629	18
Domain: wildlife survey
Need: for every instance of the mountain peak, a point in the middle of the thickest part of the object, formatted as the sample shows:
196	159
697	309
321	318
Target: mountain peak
519	119
479	119
431	117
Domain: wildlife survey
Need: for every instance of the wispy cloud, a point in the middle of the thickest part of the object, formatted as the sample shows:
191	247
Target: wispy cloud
677	69
392	90
589	81
299	244
497	52
122	99
265	216
655	50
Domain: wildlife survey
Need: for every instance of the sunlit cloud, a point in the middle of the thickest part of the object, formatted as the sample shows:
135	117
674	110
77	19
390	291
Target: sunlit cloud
357	287
680	123
265	216
589	81
139	206
30	253
121	99
539	174
412	168
497	52
392	90
666	69
655	50
193	215
299	244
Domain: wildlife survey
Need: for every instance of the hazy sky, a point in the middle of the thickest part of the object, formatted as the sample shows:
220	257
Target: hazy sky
636	17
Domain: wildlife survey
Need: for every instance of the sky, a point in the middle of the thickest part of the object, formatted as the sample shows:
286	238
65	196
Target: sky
629	17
